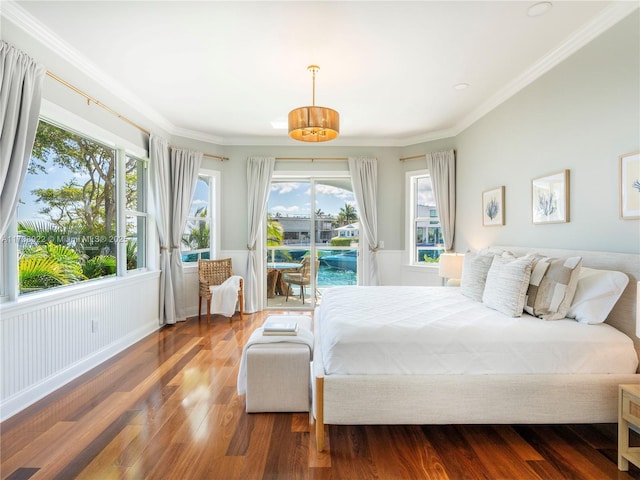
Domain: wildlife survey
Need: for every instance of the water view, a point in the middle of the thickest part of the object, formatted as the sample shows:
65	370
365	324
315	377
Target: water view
289	281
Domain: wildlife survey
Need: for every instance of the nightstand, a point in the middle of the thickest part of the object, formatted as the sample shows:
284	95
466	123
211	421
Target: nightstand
628	415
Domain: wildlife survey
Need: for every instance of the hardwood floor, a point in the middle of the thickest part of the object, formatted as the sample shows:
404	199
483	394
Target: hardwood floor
167	408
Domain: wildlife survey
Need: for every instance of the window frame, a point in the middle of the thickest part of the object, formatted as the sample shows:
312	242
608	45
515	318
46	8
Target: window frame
61	118
143	214
411	190
213	216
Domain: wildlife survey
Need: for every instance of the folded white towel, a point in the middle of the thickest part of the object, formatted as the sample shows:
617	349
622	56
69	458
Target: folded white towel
304	336
224	297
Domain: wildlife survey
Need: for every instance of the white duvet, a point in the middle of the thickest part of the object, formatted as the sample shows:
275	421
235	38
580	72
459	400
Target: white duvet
436	330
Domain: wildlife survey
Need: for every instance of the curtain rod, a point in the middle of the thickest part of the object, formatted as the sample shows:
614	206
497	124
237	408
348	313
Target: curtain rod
313	159
402	159
112	111
424	155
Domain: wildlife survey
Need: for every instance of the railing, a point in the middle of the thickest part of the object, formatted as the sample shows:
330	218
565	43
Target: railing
428	253
338	265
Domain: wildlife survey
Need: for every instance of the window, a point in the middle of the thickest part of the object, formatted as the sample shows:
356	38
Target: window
424	231
69	225
199	239
135	213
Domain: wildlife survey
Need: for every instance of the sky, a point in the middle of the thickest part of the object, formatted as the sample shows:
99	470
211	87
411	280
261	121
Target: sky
54	177
294	198
286	198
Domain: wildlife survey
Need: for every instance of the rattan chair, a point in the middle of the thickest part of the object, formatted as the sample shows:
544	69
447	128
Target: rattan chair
301	278
215	272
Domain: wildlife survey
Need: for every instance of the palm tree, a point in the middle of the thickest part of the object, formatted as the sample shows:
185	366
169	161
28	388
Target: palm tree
36	273
199	232
275	232
320	213
198	237
347	215
41	232
49	265
132	254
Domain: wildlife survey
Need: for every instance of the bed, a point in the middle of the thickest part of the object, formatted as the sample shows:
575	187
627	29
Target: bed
430	355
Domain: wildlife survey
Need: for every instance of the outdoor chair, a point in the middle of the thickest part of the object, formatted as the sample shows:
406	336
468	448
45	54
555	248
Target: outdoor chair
215	272
302	277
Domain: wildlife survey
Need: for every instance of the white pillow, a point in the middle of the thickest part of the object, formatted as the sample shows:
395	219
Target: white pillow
474	274
506	286
596	294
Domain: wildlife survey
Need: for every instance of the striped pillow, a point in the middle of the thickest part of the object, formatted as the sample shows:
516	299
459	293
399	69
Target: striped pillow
507	283
474	274
552	286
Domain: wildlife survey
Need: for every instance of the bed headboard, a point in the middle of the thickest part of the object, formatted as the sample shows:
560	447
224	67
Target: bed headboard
623	315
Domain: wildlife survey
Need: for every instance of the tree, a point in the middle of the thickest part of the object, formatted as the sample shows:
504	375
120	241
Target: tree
199	232
347	215
73	243
90	206
275	232
320	213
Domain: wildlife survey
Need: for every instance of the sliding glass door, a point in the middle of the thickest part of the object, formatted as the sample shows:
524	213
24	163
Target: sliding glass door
311	240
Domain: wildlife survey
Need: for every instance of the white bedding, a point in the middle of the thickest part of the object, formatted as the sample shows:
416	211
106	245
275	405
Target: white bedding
436	330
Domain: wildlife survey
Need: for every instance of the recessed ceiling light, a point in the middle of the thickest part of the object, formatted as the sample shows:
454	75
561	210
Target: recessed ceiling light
461	86
539	8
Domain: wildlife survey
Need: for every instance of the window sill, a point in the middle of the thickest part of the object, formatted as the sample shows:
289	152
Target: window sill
429	266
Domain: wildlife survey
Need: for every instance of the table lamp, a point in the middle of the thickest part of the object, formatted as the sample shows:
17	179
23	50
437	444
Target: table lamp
450	267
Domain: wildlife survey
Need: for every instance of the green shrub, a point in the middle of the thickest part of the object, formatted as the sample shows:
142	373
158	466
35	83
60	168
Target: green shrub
341	242
100	266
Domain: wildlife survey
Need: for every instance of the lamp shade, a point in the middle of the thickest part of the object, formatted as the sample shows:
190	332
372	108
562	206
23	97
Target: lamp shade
638	310
311	123
314	124
450	265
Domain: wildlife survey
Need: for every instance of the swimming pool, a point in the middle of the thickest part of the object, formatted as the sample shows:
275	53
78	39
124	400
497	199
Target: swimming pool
331	277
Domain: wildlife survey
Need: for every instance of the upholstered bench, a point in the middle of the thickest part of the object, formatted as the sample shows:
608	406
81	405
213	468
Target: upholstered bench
277	369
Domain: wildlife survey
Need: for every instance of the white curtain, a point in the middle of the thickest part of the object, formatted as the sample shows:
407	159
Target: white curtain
159	164
442	168
20	97
259	172
364	177
185	165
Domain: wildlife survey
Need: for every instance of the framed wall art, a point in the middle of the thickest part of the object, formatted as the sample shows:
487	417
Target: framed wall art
629	170
493	207
550	198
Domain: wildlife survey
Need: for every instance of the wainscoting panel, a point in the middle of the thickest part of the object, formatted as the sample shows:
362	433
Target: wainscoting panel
49	339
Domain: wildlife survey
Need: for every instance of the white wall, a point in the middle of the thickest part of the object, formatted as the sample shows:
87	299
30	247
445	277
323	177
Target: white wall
580	116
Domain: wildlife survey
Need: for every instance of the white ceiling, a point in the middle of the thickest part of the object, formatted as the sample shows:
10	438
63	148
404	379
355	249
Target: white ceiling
223	71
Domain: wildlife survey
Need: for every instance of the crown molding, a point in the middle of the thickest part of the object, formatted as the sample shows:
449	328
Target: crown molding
30	25
572	44
196	135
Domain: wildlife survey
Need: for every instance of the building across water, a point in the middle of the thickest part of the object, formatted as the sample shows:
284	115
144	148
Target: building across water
297	229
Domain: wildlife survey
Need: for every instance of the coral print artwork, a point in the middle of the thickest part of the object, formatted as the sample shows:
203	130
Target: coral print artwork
630	185
550	198
493	207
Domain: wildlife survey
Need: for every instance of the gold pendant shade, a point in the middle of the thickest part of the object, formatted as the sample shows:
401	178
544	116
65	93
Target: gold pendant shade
312	123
